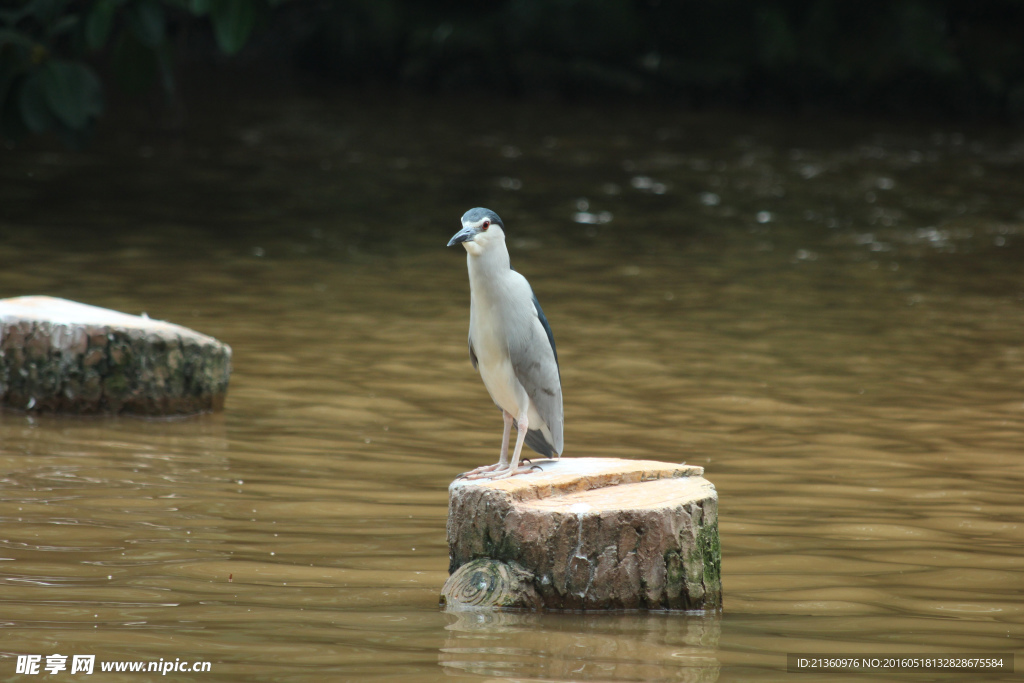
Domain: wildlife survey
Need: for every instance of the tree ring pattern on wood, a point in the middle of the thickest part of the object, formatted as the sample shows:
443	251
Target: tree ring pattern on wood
485	584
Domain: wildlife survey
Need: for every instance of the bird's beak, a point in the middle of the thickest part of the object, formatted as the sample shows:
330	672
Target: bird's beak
465	235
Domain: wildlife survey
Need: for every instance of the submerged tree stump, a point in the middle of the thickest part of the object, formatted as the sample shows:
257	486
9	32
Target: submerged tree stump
62	356
585	533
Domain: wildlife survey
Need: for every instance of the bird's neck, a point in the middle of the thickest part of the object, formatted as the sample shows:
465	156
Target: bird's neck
488	266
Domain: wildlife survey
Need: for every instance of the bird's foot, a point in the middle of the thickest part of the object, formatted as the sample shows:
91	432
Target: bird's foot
497	472
528	462
483	472
509	472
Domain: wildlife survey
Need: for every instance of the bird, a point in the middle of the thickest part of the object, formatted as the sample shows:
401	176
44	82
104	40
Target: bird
511	345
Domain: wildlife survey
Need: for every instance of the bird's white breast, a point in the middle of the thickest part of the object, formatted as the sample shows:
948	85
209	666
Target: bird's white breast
489	330
491	346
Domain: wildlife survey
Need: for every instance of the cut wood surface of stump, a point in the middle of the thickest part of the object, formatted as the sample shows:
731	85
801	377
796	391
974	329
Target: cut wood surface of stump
63	356
586	533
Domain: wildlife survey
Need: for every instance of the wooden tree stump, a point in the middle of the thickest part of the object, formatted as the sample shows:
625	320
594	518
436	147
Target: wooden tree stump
585	533
62	356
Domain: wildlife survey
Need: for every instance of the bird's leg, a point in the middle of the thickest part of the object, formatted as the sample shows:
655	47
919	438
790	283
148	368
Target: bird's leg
513	467
502	464
503	458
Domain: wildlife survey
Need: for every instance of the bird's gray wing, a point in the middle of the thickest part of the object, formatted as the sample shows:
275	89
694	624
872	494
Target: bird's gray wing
472	351
547	330
535	363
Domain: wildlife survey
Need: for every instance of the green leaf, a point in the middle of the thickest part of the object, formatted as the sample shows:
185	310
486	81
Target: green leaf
16	38
72	91
62	25
232	22
98	23
35	112
46	11
12	17
146	19
199	7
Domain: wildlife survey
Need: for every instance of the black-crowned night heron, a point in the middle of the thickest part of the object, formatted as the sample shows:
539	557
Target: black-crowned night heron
511	344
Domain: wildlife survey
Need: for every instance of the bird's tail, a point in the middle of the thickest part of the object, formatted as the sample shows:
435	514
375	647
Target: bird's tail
535	439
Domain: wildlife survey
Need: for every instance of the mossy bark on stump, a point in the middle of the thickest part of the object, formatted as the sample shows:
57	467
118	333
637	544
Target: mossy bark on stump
62	356
588	533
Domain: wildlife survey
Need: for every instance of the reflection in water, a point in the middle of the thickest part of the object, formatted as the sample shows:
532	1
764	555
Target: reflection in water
827	320
558	647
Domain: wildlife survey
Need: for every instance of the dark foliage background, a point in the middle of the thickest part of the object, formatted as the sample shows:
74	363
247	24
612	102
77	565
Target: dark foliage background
959	58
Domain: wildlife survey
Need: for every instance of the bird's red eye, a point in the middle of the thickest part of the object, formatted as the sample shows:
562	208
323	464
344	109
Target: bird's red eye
486	225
